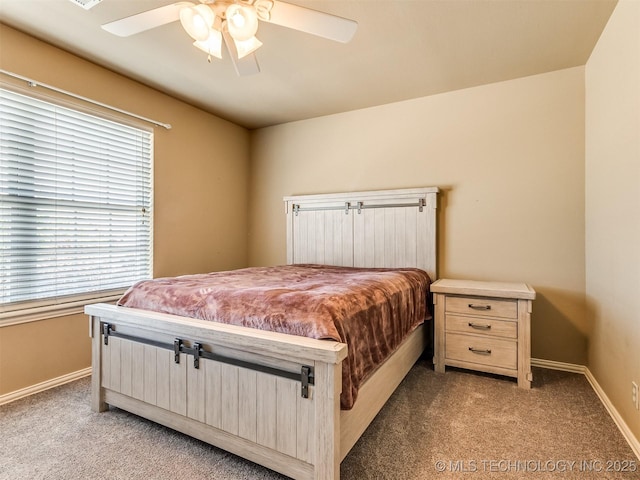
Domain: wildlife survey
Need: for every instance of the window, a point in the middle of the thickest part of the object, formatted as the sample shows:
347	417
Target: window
75	204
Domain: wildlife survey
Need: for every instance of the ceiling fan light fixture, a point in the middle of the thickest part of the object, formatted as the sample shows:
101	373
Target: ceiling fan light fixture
242	22
245	47
212	45
234	23
197	21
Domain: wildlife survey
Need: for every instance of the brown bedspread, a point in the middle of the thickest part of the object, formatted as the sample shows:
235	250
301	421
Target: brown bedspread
371	310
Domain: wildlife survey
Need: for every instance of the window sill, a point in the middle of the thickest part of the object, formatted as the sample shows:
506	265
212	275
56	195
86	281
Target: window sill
35	314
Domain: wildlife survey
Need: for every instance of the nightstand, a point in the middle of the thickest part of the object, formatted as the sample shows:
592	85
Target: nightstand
484	326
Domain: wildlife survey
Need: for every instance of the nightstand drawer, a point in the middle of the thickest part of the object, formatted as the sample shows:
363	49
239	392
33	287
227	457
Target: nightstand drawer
481	326
482	306
482	350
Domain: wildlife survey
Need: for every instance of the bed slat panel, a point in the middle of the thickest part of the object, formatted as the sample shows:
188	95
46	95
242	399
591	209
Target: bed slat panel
213	394
126	368
266	410
303	237
163	380
305	444
229	409
323	236
343	240
150	380
315	236
248	393
286	416
389	237
137	377
114	367
196	393
178	375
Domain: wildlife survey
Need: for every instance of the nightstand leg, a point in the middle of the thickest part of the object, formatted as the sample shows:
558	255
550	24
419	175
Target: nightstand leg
524	381
438	346
524	344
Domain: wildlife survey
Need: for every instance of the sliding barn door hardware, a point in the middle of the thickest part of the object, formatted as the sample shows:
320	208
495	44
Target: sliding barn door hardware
359	206
306	379
197	350
109	330
297	208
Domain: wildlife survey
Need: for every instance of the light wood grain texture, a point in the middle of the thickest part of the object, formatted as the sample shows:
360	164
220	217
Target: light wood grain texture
137	355
525	376
150	376
481	350
196	393
370	237
126	368
229	385
287	392
250	450
484	326
267	408
481	326
438	341
305	444
114	364
483	306
257	415
327	422
213	394
98	403
247	404
484	289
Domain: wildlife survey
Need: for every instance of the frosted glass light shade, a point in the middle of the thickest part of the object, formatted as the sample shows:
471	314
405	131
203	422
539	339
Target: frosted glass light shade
242	22
212	45
197	21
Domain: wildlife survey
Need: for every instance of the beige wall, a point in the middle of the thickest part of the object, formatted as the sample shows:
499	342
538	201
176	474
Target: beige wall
509	158
613	208
36	352
200	181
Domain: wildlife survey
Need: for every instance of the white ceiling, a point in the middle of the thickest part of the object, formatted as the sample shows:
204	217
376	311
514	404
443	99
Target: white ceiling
403	49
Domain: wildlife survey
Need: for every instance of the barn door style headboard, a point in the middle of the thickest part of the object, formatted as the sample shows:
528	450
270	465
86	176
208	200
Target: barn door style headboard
383	228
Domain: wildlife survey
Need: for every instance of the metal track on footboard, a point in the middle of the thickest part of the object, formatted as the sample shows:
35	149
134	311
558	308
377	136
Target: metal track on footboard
198	351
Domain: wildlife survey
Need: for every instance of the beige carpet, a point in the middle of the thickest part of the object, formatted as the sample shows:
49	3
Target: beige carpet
459	425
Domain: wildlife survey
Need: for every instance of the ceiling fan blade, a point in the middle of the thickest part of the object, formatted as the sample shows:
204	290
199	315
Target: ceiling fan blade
244	66
146	20
312	21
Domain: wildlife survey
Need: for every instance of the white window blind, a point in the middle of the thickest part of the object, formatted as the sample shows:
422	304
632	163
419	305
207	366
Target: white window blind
75	203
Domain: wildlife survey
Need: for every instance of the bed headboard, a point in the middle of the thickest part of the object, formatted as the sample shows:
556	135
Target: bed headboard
383	228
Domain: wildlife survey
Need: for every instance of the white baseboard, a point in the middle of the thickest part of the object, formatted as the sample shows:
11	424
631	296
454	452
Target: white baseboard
46	385
617	418
552	365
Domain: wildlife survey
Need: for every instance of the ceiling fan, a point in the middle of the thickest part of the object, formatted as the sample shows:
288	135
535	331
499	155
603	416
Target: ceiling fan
235	22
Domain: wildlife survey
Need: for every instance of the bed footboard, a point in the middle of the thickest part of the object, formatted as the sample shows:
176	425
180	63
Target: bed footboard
271	398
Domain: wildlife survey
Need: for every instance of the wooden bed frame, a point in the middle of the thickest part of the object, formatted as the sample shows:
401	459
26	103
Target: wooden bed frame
271	398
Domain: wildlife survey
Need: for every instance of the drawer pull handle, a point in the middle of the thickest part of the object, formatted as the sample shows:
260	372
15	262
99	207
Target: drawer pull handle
480	351
480	326
479	307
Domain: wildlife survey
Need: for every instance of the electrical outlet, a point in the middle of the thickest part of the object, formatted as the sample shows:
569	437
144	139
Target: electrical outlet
634	395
